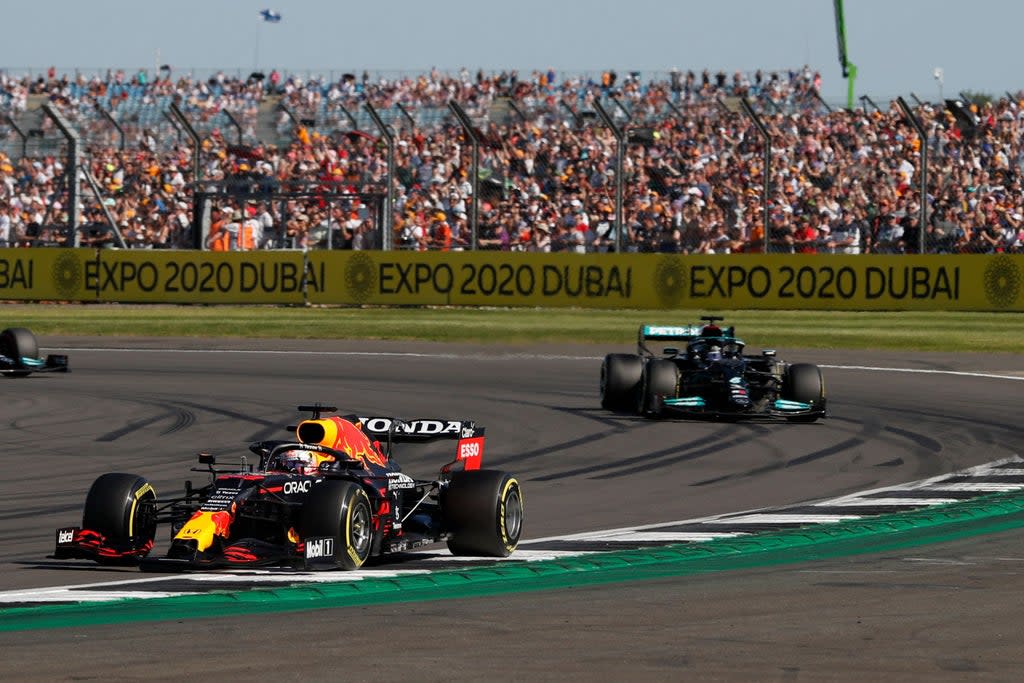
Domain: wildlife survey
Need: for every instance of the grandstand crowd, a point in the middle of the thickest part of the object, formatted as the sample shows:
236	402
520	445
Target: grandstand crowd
841	181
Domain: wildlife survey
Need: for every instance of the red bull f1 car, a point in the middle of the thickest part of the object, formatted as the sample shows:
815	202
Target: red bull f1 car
19	355
332	497
706	373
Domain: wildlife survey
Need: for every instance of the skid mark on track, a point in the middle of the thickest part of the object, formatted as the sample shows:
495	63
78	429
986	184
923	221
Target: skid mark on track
840	447
921	440
637	461
181	420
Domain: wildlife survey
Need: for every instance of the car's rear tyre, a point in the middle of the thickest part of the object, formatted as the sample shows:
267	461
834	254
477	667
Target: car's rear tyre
483	511
660	378
620	381
18	343
341	510
803	382
120	507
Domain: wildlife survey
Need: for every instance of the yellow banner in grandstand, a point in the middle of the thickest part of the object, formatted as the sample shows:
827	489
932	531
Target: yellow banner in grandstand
642	281
46	274
157	275
194	276
664	281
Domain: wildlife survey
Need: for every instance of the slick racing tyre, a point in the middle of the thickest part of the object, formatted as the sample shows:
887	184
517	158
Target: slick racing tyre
660	378
803	382
120	507
17	343
483	510
620	381
341	510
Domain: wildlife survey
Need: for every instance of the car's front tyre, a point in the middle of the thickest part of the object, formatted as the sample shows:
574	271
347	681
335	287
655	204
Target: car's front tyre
660	379
120	507
17	343
803	382
340	510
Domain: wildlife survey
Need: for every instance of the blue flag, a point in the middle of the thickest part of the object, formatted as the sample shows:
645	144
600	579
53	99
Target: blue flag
270	15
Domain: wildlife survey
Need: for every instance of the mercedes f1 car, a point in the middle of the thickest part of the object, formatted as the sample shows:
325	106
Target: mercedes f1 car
711	376
19	355
332	497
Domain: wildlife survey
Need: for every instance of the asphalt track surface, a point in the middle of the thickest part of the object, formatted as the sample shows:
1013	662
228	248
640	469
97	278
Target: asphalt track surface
940	612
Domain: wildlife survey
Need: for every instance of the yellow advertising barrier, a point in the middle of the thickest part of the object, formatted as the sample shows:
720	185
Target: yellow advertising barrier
148	276
640	281
662	281
46	274
152	276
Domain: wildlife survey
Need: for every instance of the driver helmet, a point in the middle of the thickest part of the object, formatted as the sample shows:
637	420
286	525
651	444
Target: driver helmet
711	331
715	353
299	461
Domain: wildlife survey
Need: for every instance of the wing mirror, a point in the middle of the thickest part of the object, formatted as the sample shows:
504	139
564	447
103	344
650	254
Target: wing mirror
207	459
670	351
770	353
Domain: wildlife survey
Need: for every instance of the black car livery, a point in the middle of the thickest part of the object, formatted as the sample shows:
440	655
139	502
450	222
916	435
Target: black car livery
709	376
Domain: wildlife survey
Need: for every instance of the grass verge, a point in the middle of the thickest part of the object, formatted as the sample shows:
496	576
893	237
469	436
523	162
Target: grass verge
933	331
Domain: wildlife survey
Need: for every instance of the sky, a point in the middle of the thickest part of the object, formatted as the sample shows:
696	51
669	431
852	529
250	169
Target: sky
897	45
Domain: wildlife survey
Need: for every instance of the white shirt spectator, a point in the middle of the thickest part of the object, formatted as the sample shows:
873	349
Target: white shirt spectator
5	228
846	237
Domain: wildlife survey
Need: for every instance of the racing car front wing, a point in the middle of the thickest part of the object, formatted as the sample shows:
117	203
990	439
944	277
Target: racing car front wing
698	406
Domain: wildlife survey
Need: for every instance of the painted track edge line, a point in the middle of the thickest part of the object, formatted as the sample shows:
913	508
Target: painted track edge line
988	514
499	356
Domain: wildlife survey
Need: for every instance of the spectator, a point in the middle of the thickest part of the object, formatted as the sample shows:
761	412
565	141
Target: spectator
911	231
706	159
889	239
781	235
846	237
805	239
96	233
441	232
5	226
540	238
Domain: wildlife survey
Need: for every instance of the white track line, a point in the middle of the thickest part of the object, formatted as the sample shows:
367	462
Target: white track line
504	357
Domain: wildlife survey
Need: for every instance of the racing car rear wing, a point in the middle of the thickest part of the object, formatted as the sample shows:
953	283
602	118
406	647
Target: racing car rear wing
469	452
391	430
669	333
676	333
416	431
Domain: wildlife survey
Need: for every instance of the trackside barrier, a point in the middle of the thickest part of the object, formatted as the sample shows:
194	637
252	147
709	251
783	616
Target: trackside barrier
152	276
966	282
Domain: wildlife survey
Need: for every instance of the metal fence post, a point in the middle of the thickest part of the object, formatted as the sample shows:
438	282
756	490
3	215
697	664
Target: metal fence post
749	111
71	168
620	152
110	119
913	121
349	116
467	125
576	118
21	134
198	238
174	124
106	212
817	96
186	125
387	236
406	115
235	123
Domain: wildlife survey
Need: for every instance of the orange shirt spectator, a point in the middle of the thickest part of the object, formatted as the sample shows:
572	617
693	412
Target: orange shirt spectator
218	239
441	233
